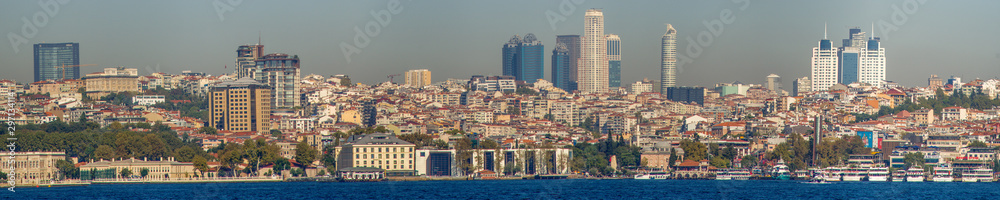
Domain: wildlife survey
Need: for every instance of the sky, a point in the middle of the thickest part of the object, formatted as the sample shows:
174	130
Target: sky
458	39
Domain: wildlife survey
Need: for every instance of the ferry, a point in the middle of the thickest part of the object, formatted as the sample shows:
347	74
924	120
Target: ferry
853	174
661	175
915	174
899	176
977	175
740	174
942	173
832	174
780	172
723	174
878	174
819	178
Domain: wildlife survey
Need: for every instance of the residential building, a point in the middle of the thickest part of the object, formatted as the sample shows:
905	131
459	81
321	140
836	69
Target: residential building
954	113
593	70
561	68
640	87
492	83
32	168
614	61
801	85
147	100
281	72
524	58
112	80
686	94
573	46
668	59
241	105
51	57
418	78
377	150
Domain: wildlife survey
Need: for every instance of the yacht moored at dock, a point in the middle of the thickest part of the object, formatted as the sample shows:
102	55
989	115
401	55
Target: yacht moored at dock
942	173
878	174
915	174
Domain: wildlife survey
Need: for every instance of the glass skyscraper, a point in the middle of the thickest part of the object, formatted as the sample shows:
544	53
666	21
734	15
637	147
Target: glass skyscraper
50	57
561	62
668	59
614	61
572	43
524	58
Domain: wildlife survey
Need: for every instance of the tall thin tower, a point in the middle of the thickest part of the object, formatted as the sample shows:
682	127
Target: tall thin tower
614	61
593	71
668	59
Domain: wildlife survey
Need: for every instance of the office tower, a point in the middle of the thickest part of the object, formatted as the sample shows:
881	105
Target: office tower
773	82
686	94
593	71
281	72
871	63
418	78
112	80
801	85
824	66
524	58
668	59
850	36
561	68
240	105
849	65
614	61
51	57
572	43
246	59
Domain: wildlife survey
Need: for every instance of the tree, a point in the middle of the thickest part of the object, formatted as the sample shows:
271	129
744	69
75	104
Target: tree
200	163
489	144
125	173
184	154
304	153
977	144
463	155
913	159
748	161
441	144
719	162
67	169
694	150
329	157
275	133
208	130
282	164
104	152
144	172
673	158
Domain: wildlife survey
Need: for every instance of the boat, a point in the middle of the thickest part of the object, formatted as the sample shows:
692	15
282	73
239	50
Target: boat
899	175
833	173
723	174
659	175
740	174
780	171
852	174
878	174
818	178
915	174
942	173
978	175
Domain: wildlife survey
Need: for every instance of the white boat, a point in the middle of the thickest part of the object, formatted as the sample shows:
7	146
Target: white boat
942	173
740	174
653	176
915	174
723	174
978	175
832	174
899	175
852	174
878	174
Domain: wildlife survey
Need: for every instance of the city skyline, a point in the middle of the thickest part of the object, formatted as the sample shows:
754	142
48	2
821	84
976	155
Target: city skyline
206	40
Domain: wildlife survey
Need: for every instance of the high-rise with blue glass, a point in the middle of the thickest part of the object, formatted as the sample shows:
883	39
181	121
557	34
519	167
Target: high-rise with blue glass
561	71
524	58
51	57
614	61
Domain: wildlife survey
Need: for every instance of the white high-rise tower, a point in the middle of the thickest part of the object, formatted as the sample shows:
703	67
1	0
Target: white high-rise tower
871	63
668	59
824	65
593	70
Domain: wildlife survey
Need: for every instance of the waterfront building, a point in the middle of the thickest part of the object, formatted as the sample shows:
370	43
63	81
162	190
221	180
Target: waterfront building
436	162
112	80
418	78
241	105
614	61
524	58
32	168
668	59
163	169
51	57
573	46
561	68
593	70
246	60
377	150
281	72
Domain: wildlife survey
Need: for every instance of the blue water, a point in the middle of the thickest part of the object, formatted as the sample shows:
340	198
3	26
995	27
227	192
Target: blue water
523	189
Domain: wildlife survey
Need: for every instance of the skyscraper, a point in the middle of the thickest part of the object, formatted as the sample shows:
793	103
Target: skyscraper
561	68
668	59
614	61
418	78
848	65
872	63
524	58
281	72
246	59
50	57
572	43
863	61
801	85
593	71
773	82
824	70
241	105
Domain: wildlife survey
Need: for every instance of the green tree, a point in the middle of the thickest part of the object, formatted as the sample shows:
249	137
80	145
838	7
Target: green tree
282	164
748	161
489	144
208	130
913	159
463	155
304	153
104	152
67	170
144	172
125	173
200	163
673	158
329	157
978	144
275	133
719	162
694	150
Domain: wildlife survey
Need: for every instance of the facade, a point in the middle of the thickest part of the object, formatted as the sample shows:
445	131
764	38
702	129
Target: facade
164	169
773	82
435	162
801	85
418	78
668	59
112	80
640	87
241	105
50	57
573	46
377	150
686	94
872	64
524	58
32	168
934	82
561	69
849	65
593	70
281	72
614	61
246	60
492	83
824	66
147	100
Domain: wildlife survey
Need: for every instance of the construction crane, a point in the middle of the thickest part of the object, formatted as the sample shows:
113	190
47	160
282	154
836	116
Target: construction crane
392	76
64	66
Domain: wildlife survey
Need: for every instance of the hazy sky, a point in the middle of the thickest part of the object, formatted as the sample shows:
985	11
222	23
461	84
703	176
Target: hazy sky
457	39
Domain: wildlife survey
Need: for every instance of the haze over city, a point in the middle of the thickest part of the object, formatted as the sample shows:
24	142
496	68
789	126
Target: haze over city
457	39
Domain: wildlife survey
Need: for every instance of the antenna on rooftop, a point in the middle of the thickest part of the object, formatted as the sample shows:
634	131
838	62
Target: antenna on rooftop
824	30
258	37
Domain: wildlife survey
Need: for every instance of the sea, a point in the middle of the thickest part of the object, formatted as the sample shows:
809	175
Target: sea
521	189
